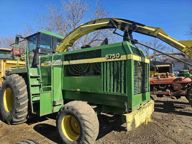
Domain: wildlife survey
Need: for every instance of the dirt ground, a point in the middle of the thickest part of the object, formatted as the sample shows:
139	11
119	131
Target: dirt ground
172	124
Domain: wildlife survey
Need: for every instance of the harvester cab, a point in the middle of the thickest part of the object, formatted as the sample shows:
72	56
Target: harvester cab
40	43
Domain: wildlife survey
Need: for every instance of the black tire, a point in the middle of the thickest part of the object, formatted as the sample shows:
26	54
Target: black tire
18	110
86	118
27	142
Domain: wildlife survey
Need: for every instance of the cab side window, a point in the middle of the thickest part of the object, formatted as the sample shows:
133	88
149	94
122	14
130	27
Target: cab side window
45	41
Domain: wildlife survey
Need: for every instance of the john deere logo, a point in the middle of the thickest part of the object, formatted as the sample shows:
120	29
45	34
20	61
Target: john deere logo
113	56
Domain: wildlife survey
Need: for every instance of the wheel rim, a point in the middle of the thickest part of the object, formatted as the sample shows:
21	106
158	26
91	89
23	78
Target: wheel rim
8	100
70	127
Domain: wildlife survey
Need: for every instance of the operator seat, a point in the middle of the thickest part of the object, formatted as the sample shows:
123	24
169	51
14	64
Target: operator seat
35	58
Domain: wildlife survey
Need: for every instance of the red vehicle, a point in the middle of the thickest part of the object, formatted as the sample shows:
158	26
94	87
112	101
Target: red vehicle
170	85
164	82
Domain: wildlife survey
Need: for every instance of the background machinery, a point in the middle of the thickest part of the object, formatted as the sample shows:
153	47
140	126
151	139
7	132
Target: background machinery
8	59
165	81
111	78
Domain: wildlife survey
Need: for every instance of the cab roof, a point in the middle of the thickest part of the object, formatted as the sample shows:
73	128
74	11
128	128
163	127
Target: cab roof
47	33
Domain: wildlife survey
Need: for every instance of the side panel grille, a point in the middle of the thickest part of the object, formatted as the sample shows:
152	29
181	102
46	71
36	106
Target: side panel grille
146	77
83	69
114	77
92	69
140	77
83	55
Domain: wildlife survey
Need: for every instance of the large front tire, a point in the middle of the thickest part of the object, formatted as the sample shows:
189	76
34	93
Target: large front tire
14	100
77	123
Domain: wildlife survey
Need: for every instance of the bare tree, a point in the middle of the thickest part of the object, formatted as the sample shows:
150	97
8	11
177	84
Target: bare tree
75	12
154	43
6	41
100	11
70	15
158	45
65	18
96	37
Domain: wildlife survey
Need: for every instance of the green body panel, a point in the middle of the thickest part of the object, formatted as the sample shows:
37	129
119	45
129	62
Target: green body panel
96	89
129	88
116	101
91	84
57	100
107	78
185	73
46	104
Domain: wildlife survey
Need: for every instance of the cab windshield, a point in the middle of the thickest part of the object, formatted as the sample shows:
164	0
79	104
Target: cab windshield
43	41
41	44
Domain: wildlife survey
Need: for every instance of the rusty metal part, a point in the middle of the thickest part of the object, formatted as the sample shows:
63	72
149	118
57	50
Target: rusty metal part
170	85
169	80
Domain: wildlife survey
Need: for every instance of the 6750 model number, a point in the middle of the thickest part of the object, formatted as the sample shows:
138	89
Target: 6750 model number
113	56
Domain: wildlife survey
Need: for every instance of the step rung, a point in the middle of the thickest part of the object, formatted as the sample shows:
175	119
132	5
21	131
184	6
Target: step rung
35	94
46	86
35	98
35	84
34	76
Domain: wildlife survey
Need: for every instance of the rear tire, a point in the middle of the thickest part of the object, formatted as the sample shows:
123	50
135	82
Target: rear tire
14	100
77	123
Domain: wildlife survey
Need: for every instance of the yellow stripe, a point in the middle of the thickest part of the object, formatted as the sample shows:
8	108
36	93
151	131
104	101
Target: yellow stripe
171	39
95	24
103	59
147	61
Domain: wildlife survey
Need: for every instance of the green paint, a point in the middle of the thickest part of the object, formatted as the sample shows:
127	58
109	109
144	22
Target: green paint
109	85
45	103
57	91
